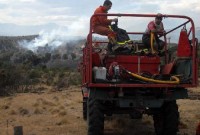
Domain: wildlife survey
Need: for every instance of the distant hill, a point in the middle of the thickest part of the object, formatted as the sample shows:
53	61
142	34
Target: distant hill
11	43
66	55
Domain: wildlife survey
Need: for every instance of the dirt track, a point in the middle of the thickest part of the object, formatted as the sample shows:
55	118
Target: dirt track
60	113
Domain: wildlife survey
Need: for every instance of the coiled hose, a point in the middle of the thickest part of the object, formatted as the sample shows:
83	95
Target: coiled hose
174	79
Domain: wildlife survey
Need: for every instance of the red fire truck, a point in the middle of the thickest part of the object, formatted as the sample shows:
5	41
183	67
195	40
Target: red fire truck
139	81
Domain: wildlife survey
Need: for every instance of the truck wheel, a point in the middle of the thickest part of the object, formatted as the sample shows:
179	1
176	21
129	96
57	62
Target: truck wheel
95	117
85	108
166	119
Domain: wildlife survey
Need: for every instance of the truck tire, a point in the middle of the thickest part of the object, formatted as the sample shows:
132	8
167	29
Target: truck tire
85	108
166	119
95	118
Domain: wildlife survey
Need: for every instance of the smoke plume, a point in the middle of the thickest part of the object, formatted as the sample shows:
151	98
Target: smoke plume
52	39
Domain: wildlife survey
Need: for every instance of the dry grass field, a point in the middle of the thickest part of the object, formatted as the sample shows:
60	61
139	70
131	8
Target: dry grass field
52	112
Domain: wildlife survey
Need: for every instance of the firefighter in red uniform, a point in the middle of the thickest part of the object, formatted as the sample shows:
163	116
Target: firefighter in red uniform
100	24
156	27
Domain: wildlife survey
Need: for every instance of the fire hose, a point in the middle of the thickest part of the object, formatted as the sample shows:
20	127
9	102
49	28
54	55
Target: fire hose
152	39
174	79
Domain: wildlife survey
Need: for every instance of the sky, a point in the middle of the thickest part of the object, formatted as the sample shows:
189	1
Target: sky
71	17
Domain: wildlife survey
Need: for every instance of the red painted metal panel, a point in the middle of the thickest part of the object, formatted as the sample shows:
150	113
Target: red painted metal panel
136	64
167	68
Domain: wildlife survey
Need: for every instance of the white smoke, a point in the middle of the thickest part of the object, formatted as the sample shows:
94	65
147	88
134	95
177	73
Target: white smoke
52	39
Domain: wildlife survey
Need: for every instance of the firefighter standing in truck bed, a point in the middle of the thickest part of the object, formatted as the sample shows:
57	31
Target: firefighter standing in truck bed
100	24
157	28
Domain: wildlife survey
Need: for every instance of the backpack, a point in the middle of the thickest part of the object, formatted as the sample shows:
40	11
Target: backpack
121	34
122	39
